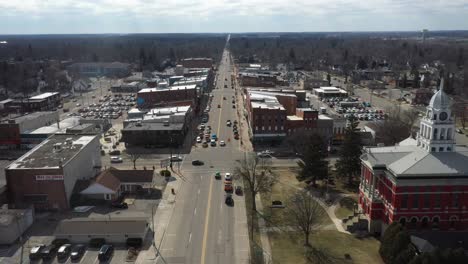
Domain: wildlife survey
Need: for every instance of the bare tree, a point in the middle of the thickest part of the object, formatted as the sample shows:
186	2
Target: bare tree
256	173
398	125
134	158
305	213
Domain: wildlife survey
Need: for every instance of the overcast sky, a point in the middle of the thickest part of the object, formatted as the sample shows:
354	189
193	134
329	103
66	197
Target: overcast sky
162	16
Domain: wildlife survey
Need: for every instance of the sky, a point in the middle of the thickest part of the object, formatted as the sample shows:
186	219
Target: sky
192	16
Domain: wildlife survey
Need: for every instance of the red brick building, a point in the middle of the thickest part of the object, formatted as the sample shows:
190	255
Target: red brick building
171	96
421	183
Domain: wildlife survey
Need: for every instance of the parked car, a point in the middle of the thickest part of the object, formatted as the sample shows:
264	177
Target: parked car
238	190
115	159
198	163
35	252
228	176
205	145
114	152
77	251
105	253
199	140
64	251
119	204
48	252
222	143
213	143
176	158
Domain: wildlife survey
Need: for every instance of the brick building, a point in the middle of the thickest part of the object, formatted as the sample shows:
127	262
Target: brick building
41	102
171	96
197	62
46	175
421	183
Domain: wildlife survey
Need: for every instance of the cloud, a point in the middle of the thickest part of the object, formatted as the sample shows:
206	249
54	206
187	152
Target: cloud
212	12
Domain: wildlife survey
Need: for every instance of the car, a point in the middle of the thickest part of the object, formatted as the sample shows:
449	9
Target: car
48	252
459	131
228	176
238	190
64	251
218	175
222	143
176	158
74	100
219	106
35	252
224	97
213	136
119	205
236	136
105	253
77	251
199	140
233	106
115	159
233	101
228	187
78	105
213	143
197	163
202	126
205	119
114	152
205	145
228	123
228	200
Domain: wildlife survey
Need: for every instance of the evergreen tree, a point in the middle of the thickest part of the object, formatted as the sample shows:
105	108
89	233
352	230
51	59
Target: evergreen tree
349	162
314	166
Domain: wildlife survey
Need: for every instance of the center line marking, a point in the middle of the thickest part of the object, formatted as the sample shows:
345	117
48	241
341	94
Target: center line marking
207	220
195	211
190	237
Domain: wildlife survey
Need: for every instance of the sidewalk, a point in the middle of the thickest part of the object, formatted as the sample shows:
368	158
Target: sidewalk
161	220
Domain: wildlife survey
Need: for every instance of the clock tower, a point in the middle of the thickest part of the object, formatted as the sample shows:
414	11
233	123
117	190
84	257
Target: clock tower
437	127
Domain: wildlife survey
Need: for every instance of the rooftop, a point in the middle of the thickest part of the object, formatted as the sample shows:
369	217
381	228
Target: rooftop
54	128
32	116
55	150
172	88
153	126
330	89
43	96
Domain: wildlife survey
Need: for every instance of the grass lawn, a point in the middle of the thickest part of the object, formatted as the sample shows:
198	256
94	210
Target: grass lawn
345	207
282	190
288	248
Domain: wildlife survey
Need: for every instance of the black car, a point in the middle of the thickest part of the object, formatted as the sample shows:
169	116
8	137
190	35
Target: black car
105	252
229	201
77	251
119	204
35	252
197	163
64	251
48	252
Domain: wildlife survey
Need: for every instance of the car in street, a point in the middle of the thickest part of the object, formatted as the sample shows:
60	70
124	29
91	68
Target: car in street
213	143
214	136
197	163
238	190
236	136
35	252
222	143
228	176
105	253
115	159
77	252
228	123
64	251
233	106
199	140
176	158
205	145
218	175
228	200
459	131
228	187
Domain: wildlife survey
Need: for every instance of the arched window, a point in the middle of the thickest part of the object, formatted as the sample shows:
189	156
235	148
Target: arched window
414	222
402	221
435	117
453	221
424	222
449	134
435	222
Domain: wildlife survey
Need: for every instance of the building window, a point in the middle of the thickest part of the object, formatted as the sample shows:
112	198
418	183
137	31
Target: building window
263	128
435	133
449	133
256	128
276	128
427	201
435	222
433	149
269	128
449	149
415	201
414	221
455	198
442	133
441	149
404	201
437	200
403	221
424	222
107	197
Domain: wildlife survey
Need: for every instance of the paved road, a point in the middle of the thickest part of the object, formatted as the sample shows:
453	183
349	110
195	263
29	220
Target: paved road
203	229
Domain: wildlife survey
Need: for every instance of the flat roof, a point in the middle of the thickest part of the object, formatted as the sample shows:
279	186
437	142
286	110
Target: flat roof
294	118
55	150
153	126
32	116
43	96
329	90
171	88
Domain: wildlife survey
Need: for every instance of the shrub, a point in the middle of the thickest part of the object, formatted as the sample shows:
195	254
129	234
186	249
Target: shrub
165	173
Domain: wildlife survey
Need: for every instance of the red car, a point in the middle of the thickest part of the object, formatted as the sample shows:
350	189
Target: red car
228	188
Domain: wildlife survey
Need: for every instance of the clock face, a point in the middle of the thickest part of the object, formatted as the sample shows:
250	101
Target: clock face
443	116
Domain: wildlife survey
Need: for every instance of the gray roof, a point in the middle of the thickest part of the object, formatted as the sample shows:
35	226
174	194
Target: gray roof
153	126
407	161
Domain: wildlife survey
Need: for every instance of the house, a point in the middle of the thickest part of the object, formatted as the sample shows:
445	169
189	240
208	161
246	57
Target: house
110	183
421	183
114	229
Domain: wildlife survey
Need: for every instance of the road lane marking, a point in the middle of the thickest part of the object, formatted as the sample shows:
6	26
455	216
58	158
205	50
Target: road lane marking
207	220
198	191
190	238
195	211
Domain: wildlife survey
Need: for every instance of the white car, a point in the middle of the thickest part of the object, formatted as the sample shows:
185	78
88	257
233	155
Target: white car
222	143
176	158
199	140
228	176
116	159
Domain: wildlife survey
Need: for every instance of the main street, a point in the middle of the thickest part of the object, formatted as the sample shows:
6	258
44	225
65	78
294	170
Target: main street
202	228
